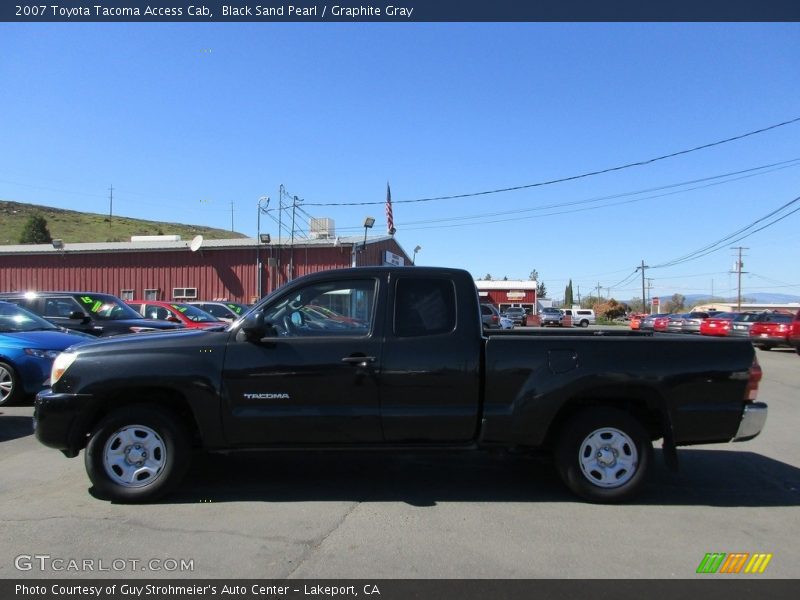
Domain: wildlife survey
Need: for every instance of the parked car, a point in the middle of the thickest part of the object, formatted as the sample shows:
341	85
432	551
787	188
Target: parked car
719	325
28	345
675	322
550	316
648	322
100	315
581	317
771	330
661	323
636	321
227	311
692	321
740	326
490	316
516	314
506	323
419	374
176	312
794	334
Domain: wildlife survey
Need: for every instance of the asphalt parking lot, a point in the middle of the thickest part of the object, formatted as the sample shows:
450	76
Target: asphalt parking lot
359	515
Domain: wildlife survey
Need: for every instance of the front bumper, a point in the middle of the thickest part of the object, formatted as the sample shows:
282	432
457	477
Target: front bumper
753	419
54	420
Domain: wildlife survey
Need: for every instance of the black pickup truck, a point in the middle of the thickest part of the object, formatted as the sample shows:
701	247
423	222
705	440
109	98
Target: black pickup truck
393	358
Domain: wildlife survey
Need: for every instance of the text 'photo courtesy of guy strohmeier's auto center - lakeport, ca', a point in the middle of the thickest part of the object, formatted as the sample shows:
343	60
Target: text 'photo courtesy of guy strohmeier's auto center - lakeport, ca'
446	302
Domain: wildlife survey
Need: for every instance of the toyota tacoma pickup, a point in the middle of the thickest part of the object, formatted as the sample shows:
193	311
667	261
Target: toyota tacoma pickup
393	358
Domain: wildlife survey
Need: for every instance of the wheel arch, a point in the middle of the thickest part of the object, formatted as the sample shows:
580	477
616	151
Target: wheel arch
642	403
165	399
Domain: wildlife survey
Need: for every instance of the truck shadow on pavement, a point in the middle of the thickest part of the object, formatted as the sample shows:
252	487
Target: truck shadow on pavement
706	477
13	427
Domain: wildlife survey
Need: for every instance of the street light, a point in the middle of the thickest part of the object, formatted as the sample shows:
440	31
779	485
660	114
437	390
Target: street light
414	258
368	223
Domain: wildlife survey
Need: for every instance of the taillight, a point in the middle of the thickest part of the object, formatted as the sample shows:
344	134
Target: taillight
751	391
495	318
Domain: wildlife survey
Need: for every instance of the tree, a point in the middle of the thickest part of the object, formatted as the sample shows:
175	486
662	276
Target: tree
488	277
35	231
675	304
636	305
541	288
569	299
609	310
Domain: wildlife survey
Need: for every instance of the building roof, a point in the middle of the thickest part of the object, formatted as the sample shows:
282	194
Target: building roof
88	247
509	284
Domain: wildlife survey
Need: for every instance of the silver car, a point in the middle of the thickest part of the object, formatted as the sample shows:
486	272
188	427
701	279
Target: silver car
740	326
692	321
551	316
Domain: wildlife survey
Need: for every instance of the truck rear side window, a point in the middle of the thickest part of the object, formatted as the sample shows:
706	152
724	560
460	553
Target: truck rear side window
424	307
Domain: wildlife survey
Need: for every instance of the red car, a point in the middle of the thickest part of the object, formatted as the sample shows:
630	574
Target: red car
190	316
771	331
794	334
719	325
661	323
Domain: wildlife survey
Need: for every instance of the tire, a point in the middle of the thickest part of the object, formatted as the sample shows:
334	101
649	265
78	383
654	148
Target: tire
10	385
600	435
137	454
584	323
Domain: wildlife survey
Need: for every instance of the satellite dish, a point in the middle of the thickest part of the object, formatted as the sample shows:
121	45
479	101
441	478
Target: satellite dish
196	242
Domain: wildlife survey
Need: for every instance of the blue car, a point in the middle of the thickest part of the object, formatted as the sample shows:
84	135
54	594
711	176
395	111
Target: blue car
28	345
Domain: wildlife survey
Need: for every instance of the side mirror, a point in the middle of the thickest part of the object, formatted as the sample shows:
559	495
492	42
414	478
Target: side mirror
173	319
255	329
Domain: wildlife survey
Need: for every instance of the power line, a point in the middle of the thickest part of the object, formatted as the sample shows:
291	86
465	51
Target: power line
746	174
742	233
572	177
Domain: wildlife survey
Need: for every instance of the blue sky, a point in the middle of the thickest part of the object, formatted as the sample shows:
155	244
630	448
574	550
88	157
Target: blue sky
185	119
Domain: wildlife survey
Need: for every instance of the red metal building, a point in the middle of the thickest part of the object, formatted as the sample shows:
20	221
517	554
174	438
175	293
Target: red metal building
508	293
172	270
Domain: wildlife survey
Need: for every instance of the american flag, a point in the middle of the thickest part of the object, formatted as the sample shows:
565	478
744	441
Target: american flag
389	216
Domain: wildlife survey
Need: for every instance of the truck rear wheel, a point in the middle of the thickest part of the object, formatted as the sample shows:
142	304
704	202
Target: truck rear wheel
137	454
604	455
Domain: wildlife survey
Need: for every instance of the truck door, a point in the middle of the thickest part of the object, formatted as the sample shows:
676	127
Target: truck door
313	379
430	375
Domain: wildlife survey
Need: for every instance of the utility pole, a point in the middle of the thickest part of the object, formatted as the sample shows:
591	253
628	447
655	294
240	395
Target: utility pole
291	259
739	264
579	296
644	297
110	201
231	215
598	292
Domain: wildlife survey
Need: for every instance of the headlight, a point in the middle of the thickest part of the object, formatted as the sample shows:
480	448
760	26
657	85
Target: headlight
51	354
60	365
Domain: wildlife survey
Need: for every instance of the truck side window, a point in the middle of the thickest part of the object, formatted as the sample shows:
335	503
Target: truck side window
424	307
341	308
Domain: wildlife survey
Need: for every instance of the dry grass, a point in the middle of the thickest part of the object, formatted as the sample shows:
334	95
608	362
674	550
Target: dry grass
73	227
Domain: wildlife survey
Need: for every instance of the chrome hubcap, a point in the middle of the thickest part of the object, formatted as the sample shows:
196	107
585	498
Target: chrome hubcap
608	457
134	456
6	384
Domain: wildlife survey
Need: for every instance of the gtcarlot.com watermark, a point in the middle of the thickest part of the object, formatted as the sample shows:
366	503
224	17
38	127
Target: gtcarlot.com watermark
58	564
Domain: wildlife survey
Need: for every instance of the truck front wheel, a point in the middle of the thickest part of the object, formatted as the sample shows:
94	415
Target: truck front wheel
137	454
603	455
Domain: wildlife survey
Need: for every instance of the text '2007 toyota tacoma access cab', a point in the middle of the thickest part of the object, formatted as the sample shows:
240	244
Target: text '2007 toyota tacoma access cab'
392	357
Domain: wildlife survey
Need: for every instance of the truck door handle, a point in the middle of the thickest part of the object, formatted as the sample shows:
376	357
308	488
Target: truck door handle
361	361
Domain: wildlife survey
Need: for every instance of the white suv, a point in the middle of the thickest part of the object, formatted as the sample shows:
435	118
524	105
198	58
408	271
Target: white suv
581	317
